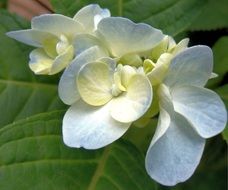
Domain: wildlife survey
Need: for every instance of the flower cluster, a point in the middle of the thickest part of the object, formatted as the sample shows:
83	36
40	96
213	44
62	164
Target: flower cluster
117	72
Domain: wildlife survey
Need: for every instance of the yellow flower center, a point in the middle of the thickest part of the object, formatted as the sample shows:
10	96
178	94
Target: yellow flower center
56	46
117	87
62	45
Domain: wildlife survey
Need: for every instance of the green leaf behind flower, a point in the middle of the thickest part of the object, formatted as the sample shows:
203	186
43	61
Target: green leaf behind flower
171	16
220	61
141	136
33	156
214	16
22	94
223	93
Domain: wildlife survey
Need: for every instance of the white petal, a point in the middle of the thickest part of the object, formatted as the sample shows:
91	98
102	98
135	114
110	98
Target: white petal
57	24
174	157
89	16
123	36
131	105
202	107
94	83
163	124
192	66
62	61
31	37
91	127
99	17
67	86
166	112
40	62
84	41
165	99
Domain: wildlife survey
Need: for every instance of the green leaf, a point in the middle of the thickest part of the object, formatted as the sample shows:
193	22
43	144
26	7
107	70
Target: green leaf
220	61
3	3
33	156
141	136
225	134
172	16
214	16
223	92
22	94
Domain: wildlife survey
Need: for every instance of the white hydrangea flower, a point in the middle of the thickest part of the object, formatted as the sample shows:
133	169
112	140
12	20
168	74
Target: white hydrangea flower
115	66
54	37
105	100
120	96
189	113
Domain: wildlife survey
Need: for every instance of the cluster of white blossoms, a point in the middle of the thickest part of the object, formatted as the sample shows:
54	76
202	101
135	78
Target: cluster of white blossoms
118	72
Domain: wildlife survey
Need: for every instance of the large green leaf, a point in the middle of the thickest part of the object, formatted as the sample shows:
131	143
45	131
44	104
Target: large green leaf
33	156
214	16
22	94
220	61
172	16
141	136
225	134
223	92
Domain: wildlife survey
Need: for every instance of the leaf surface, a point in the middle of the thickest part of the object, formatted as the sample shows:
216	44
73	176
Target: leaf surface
213	16
33	156
22	94
223	93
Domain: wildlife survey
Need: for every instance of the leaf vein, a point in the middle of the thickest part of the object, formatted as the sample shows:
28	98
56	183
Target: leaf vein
125	169
71	161
99	170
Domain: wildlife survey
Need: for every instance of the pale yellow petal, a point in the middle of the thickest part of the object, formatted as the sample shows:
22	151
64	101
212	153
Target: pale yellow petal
62	61
182	45
132	60
49	46
95	82
118	82
126	73
160	49
157	75
131	105
40	62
